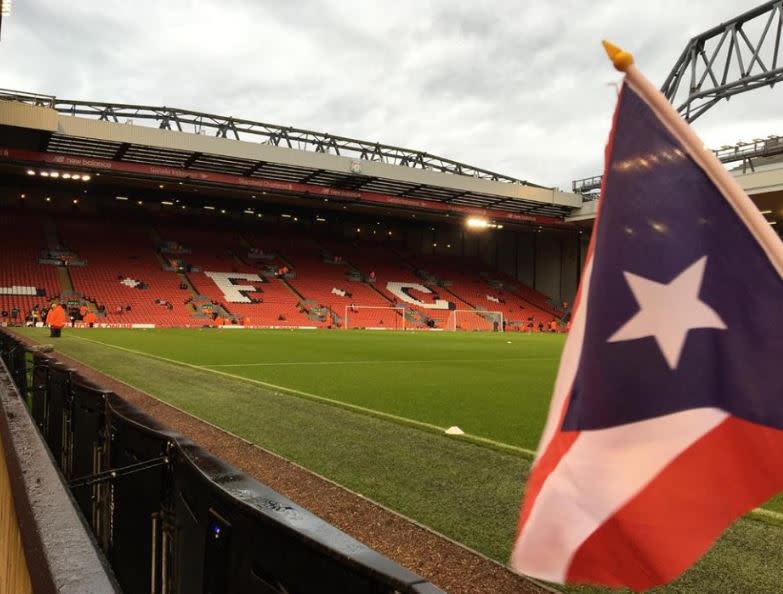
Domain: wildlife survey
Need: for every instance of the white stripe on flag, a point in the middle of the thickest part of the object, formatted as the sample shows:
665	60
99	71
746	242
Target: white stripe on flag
601	472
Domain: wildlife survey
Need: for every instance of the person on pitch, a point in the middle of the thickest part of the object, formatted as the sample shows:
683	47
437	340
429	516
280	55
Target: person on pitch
56	319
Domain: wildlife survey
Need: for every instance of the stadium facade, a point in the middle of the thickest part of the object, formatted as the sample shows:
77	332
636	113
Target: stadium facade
82	161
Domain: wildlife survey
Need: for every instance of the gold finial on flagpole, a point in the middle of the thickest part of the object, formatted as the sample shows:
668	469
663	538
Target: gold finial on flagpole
619	57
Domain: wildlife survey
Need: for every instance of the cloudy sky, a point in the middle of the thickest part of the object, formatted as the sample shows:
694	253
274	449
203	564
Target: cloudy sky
520	87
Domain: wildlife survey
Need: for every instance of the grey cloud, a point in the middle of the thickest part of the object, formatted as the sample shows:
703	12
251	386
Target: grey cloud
518	87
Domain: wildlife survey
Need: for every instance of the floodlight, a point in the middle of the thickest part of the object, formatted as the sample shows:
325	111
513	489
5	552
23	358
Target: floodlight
477	223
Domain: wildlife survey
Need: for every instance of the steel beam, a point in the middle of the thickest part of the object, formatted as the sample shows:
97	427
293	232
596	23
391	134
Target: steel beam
248	130
735	57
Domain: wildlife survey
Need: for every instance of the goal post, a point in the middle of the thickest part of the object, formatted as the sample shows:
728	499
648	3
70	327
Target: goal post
476	320
371	317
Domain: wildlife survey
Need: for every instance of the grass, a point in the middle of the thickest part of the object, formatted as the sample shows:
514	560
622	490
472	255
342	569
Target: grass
490	386
468	492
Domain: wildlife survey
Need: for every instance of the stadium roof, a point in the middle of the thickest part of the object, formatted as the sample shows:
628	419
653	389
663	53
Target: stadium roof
162	142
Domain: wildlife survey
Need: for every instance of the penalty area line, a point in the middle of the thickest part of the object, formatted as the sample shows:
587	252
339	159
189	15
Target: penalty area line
429	427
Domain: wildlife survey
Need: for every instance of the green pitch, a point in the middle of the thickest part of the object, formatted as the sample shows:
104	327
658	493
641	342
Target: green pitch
492	386
368	410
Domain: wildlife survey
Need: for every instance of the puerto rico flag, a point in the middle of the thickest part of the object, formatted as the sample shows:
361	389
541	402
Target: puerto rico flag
666	422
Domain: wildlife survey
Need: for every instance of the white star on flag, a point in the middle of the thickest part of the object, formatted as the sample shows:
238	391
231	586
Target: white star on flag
668	311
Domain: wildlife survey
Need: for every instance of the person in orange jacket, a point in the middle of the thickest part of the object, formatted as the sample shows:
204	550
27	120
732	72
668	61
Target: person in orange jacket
89	319
56	319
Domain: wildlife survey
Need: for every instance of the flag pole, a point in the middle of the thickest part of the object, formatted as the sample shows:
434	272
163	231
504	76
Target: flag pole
705	158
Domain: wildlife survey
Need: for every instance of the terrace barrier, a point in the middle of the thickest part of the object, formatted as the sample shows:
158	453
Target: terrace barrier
169	517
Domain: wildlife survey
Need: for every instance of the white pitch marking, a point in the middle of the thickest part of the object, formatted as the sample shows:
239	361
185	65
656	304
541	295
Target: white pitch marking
378	361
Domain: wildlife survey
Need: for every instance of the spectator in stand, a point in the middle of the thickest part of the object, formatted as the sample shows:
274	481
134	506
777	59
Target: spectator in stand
14	315
56	320
4	316
128	307
372	276
82	312
118	311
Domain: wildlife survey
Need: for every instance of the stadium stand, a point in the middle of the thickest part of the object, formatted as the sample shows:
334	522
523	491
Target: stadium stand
113	253
169	273
323	277
367	257
273	303
24	282
481	288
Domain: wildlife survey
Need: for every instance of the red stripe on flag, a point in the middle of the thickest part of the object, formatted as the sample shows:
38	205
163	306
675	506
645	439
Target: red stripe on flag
558	447
672	522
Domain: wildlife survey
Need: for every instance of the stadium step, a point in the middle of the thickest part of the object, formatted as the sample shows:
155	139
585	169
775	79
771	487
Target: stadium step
163	264
64	277
157	240
50	232
378	291
184	278
291	288
450	292
245	242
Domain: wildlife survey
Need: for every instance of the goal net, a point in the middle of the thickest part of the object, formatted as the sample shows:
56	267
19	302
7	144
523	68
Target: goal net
374	317
476	320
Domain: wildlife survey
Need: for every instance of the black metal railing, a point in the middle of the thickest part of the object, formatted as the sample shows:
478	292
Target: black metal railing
173	519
